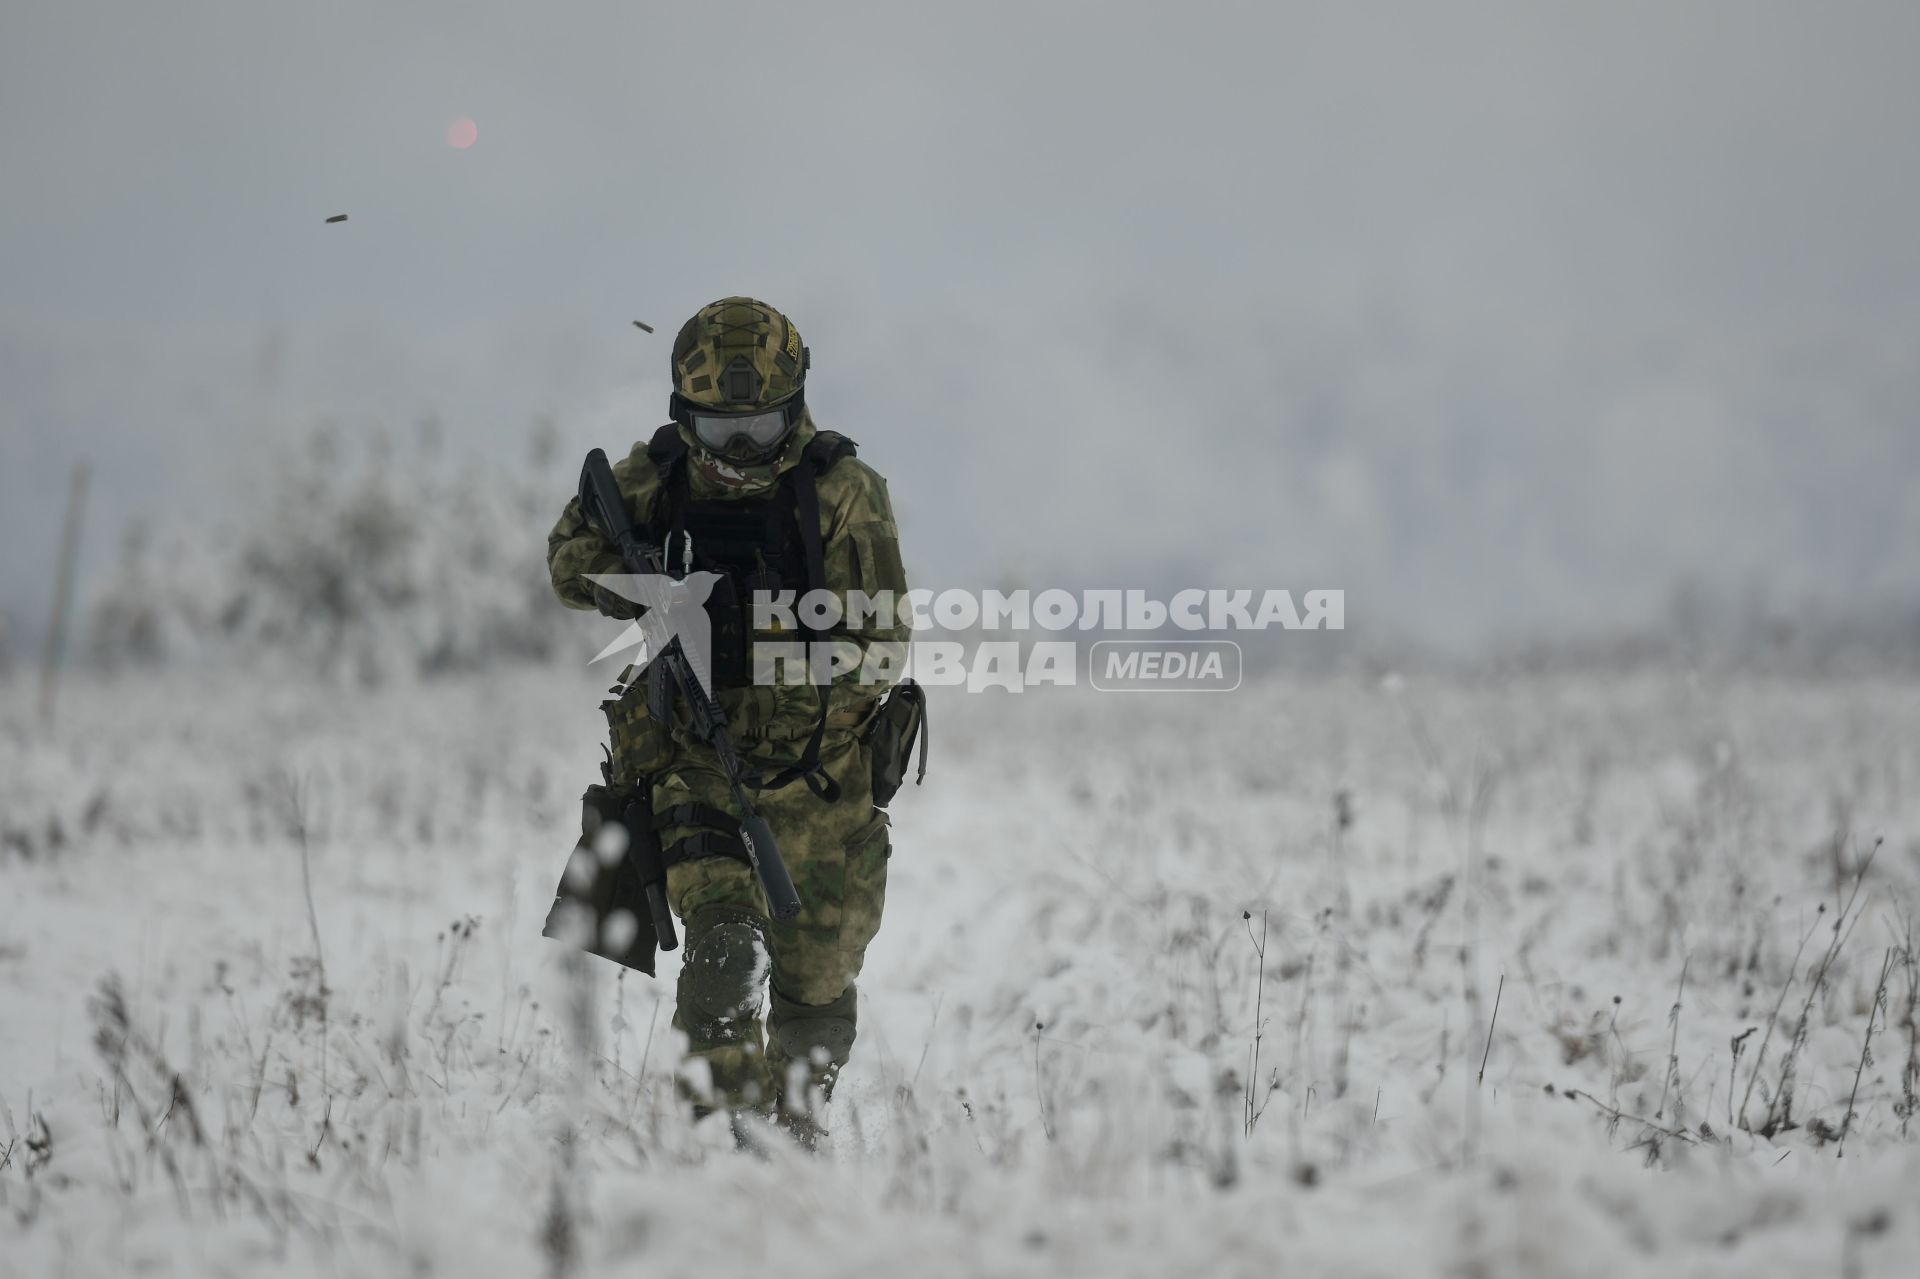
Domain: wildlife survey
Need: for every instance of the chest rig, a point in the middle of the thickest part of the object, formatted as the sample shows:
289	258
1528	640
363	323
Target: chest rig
769	542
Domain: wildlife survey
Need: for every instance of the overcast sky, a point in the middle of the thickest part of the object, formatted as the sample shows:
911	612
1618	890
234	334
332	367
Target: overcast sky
1500	317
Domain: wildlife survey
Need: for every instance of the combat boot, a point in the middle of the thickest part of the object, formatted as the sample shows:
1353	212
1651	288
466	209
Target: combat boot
718	1009
807	1044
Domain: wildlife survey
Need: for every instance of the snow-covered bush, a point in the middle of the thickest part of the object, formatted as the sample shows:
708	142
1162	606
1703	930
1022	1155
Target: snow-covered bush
367	558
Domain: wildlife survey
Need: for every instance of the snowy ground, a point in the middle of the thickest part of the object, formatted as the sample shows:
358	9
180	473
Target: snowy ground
1059	1016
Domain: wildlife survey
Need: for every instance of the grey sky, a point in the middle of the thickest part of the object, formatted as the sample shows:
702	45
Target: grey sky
1500	316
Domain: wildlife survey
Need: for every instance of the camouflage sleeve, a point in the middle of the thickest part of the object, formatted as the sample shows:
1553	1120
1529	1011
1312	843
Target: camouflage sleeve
575	549
863	554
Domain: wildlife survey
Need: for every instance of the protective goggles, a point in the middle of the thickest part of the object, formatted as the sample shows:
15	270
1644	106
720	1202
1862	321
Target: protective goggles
740	434
724	432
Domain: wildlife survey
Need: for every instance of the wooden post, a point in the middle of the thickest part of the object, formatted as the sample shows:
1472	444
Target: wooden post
62	592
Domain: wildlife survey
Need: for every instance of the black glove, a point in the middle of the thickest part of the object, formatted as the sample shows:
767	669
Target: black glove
615	605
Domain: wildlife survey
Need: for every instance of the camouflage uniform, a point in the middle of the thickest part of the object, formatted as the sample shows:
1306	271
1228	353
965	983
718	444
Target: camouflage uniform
837	851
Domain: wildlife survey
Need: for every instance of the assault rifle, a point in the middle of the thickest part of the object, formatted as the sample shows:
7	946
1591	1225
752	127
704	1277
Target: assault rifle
606	510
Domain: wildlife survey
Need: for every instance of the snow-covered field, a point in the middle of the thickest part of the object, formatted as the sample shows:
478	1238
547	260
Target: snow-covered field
1060	1017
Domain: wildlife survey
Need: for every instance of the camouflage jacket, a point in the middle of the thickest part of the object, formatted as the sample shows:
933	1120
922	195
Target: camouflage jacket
860	542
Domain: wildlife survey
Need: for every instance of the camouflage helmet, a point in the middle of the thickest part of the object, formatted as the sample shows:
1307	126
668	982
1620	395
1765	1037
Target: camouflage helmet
738	354
738	358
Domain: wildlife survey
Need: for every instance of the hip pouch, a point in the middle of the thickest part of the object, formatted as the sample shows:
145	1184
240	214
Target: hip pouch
891	736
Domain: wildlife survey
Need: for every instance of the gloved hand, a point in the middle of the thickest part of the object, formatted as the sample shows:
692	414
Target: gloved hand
609	601
615	605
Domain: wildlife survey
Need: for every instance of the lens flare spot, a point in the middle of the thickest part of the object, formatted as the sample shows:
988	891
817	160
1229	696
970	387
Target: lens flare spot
462	133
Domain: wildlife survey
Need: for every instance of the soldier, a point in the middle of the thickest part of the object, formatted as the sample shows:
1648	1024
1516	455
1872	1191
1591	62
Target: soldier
726	487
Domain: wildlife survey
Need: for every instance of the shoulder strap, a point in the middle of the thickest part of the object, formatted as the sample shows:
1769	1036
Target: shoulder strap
666	448
804	481
827	448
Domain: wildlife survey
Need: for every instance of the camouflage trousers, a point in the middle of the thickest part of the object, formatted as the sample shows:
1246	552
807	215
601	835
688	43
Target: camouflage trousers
837	853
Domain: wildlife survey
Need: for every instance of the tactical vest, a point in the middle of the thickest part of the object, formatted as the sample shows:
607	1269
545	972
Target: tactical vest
768	542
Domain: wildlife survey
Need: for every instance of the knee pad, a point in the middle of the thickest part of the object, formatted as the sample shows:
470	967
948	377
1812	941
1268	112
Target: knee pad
798	1030
722	971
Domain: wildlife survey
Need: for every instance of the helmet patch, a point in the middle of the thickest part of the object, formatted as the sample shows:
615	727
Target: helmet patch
740	382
